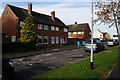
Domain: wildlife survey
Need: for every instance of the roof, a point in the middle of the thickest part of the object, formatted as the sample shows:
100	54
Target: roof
78	27
36	17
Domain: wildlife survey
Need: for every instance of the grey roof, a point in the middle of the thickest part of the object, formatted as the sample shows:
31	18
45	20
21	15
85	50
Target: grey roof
36	17
78	27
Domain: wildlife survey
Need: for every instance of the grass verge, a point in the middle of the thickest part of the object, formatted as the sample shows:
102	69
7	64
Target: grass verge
103	63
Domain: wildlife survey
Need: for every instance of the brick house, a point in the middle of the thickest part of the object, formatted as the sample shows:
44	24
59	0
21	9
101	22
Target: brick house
78	32
49	29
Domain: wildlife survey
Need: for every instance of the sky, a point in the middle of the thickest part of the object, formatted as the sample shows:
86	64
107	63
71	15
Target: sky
68	11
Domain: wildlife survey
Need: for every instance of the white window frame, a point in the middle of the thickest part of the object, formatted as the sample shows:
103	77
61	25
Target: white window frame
21	23
40	26
46	37
46	27
52	28
79	32
40	37
69	33
13	38
57	28
74	32
57	40
52	40
65	30
82	32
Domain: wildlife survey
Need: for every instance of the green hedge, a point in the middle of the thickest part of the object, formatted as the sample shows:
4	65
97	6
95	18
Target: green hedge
17	46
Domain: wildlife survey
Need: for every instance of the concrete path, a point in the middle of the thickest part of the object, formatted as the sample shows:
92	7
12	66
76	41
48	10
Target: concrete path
115	74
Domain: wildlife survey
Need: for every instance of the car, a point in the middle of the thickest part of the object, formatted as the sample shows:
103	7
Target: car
116	41
97	46
7	69
111	42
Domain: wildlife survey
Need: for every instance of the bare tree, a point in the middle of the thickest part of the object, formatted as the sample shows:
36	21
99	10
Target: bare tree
108	12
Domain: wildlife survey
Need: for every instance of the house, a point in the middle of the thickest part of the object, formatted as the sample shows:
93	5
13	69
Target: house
78	32
101	35
49	29
98	35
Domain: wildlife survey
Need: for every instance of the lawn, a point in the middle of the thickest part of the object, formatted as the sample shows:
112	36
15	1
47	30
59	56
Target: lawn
104	62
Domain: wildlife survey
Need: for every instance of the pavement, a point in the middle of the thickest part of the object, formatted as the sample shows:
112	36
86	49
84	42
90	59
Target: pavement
115	73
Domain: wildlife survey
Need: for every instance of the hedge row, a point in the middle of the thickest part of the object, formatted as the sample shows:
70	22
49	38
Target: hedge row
17	46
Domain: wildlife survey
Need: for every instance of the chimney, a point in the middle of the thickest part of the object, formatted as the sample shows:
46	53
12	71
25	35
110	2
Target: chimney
30	8
53	15
75	22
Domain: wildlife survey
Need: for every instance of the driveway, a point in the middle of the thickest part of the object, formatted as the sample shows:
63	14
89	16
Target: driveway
26	67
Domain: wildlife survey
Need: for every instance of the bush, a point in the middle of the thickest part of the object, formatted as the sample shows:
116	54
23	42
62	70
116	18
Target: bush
17	46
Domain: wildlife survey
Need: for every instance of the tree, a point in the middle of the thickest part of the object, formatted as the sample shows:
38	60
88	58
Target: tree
27	32
108	13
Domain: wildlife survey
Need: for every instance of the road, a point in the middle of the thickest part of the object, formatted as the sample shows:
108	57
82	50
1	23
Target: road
29	66
26	67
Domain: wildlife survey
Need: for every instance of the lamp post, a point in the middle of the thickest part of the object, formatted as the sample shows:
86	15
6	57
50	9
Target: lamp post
91	55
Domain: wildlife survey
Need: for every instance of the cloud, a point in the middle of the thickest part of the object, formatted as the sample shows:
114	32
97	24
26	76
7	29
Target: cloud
67	14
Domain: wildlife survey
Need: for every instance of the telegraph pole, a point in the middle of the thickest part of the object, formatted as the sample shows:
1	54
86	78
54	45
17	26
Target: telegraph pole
91	55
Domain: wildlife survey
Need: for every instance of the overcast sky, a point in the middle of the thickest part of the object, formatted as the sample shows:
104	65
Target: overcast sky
68	11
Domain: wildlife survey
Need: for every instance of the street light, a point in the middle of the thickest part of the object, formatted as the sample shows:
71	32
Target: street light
91	55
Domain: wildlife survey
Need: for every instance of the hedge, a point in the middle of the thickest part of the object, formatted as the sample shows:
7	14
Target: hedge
17	46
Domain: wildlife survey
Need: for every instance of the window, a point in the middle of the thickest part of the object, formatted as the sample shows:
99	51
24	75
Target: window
82	32
40	26
74	32
79	33
57	40
57	28
69	33
21	23
45	39
65	30
13	38
45	27
52	28
52	40
40	39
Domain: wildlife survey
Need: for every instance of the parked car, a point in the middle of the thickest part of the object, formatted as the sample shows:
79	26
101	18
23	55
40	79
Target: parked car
116	41
97	46
111	42
7	69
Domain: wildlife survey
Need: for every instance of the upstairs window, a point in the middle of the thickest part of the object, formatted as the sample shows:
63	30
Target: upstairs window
40	26
69	33
57	28
46	27
74	32
21	23
52	28
65	30
82	32
79	32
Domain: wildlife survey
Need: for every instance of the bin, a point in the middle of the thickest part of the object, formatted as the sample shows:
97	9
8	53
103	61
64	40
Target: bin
78	43
83	43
